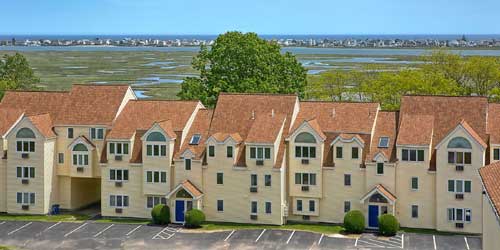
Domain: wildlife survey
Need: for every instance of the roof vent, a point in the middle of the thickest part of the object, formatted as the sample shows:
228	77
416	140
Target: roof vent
333	113
272	112
253	114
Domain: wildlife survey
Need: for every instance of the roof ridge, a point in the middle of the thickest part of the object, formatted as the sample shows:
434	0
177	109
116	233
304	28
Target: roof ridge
323	101
257	93
37	91
98	84
162	100
429	95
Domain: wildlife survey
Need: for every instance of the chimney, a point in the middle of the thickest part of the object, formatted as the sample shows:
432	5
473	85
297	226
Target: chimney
253	114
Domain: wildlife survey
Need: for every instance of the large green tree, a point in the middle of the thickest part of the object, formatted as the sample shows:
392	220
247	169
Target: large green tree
243	62
16	73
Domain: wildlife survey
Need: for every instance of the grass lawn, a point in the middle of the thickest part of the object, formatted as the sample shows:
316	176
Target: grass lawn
317	228
123	220
61	217
429	231
6	248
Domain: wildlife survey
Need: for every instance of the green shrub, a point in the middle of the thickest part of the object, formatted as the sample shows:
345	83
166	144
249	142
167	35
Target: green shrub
388	225
194	218
160	214
354	222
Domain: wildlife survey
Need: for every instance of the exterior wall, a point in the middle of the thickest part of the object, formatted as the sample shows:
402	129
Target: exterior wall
424	197
195	175
36	185
491	226
235	192
157	163
446	171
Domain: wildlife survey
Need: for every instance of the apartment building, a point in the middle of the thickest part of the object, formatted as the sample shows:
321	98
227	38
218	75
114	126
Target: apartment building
254	158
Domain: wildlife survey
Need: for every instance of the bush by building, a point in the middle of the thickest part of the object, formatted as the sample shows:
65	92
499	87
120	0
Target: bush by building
160	214
388	225
354	222
194	218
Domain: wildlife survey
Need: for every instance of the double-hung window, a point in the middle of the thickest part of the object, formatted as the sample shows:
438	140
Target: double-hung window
70	133
339	152
260	153
414	183
152	201
305	152
118	201
267	180
305	179
347	206
312	206
380	168
299	205
268	207
220	178
347	180
412	155
80	155
187	164
496	154
354	153
414	211
97	133
220	205
156	150
229	151
253	180
253	207
118	148
25	198
156	177
211	151
25	172
459	214
458	157
459	186
118	175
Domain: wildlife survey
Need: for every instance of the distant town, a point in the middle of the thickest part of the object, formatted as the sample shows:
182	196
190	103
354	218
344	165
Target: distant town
462	42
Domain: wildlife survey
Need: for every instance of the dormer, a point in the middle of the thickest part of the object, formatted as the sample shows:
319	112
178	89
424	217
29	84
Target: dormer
307	143
348	147
223	147
264	139
82	157
415	139
158	141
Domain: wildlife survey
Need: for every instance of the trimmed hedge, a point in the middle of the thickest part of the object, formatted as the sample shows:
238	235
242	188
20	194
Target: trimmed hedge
160	214
388	225
354	222
194	218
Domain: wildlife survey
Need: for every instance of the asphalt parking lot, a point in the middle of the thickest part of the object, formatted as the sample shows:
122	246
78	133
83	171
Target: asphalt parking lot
92	235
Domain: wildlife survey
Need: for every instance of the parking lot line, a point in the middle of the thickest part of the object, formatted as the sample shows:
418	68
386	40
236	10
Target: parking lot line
466	243
104	230
403	241
260	235
15	230
133	230
3	222
289	238
320	239
434	240
371	244
76	229
356	243
47	229
386	243
231	233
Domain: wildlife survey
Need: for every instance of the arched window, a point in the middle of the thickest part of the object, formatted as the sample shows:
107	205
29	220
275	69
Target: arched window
305	137
183	194
25	140
156	136
378	198
80	147
80	155
459	142
25	133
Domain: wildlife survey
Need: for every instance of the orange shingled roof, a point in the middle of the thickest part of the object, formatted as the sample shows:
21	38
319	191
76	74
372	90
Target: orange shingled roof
220	137
473	133
188	185
200	126
386	126
43	123
493	127
167	127
415	130
490	175
265	128
142	114
8	117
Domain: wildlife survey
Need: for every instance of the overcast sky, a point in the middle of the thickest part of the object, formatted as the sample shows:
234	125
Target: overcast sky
261	16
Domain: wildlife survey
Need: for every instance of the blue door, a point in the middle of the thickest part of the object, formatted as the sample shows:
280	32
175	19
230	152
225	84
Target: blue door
179	211
372	216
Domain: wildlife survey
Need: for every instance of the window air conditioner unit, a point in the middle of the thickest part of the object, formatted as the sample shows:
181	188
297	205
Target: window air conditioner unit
253	217
459	196
459	225
25	181
253	189
79	169
305	188
118	157
459	167
25	207
306	217
118	210
118	184
259	162
25	155
305	161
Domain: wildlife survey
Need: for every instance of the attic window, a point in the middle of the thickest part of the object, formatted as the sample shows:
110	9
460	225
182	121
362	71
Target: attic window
383	142
195	140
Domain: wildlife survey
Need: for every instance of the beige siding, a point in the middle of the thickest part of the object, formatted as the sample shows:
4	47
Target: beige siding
491	226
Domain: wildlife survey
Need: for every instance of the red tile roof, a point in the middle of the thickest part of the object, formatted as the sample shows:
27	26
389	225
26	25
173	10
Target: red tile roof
43	123
490	175
8	116
265	128
201	125
415	130
386	126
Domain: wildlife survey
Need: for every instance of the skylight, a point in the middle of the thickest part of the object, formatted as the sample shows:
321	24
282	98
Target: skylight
383	142
195	140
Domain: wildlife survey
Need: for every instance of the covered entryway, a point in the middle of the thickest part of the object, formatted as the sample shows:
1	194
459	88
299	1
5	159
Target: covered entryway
183	198
377	202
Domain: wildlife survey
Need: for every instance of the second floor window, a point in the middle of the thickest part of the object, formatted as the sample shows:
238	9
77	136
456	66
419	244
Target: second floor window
459	186
156	144
187	164
267	180
459	214
415	155
70	133
118	201
156	177
211	151
380	168
347	179
260	153
118	148
229	151
414	183
456	157
305	151
25	172
118	174
305	179
80	155
97	133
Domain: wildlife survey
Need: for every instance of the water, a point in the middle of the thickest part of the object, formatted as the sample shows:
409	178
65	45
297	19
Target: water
140	94
294	50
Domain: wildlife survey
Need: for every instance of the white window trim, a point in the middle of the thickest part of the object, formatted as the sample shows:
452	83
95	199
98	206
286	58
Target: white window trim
23	202
265	207
116	170
308	179
461	150
23	169
22	147
217	205
155	196
256	207
308	146
263	153
352	151
418	211
216	178
383	169
409	153
335	149
96	138
78	154
411	183
208	151
350	180
153	144
116	147
153	177
271	180
464	210
67	133
455	186
350	206
232	152
190	164
256	179
116	195
309	206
